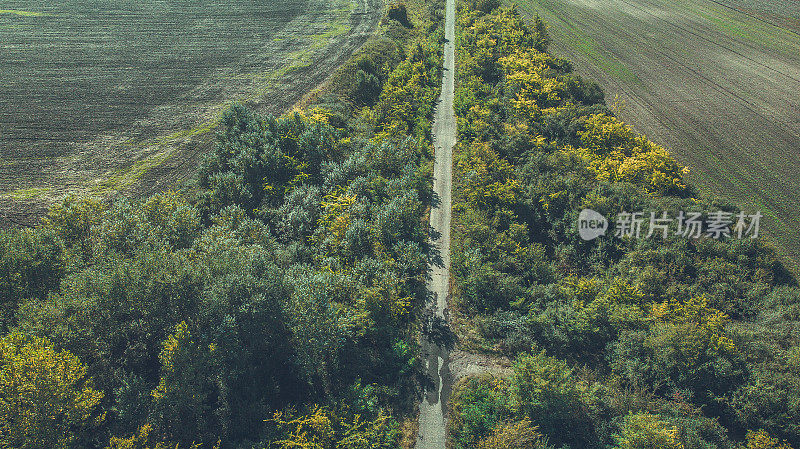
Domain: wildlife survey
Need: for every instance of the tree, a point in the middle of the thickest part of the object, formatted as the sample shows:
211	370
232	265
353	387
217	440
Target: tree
687	346
488	180
514	435
31	264
185	397
487	6
368	88
398	12
322	428
142	439
647	431
478	406
542	39
72	221
545	390
46	400
763	440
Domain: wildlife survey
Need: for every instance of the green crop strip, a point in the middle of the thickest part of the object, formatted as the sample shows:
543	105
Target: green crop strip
27	194
23	13
126	177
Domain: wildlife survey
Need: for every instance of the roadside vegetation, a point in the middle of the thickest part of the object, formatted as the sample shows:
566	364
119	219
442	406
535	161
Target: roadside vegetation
275	304
617	343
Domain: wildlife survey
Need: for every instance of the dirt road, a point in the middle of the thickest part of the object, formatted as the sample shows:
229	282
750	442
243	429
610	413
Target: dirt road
715	83
433	409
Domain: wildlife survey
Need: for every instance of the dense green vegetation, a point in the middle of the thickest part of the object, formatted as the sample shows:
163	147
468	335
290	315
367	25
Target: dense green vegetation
275	305
278	302
617	342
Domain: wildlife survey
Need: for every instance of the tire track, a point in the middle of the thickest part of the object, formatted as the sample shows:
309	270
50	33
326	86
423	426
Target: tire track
755	17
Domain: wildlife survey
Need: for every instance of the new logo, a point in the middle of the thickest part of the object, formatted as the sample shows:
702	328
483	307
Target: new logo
591	224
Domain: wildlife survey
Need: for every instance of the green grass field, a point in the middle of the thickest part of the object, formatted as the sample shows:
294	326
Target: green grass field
105	96
715	82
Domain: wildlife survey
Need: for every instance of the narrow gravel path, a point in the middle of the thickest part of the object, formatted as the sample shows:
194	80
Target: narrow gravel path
433	408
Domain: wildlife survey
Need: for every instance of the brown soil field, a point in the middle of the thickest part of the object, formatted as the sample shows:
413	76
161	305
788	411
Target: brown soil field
716	82
119	100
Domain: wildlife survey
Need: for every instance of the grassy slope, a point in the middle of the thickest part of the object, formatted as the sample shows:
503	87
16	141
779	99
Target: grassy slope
103	130
716	86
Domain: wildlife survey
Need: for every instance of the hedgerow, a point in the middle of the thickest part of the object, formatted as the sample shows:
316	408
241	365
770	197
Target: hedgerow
618	342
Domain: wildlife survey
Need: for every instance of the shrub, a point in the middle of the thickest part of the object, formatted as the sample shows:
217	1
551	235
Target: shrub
763	440
545	390
646	431
477	407
514	435
46	399
398	13
487	6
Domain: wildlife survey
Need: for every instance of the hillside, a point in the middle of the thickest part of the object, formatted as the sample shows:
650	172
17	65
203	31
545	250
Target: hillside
715	82
112	97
